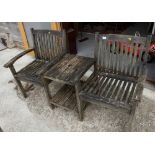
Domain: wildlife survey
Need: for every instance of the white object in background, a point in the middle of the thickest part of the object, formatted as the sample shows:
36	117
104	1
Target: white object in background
153	29
104	37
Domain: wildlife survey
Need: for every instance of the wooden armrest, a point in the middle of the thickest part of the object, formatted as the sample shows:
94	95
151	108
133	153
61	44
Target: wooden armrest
13	60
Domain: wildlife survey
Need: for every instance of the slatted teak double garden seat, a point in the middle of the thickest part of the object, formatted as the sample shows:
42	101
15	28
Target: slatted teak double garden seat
119	72
49	48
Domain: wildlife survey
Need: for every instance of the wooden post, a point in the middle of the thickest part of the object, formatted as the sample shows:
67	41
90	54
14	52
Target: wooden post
55	26
79	102
23	35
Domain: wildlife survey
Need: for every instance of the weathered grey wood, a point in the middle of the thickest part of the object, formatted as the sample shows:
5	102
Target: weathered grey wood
48	43
79	104
119	71
18	81
49	48
95	51
119	56
68	71
112	89
47	91
64	98
105	102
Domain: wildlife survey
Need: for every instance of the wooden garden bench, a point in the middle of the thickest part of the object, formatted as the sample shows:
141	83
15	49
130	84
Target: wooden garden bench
119	72
49	48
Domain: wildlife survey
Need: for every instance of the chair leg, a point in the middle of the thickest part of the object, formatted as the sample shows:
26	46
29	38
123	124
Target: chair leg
79	102
128	125
18	82
134	105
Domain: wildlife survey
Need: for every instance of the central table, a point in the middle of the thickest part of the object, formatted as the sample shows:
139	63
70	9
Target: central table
69	71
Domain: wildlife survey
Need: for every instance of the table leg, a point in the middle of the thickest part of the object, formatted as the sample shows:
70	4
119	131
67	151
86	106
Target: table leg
79	102
47	91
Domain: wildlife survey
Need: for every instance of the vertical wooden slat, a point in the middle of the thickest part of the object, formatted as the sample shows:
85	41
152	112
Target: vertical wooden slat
130	60
43	41
134	67
96	51
42	52
106	50
99	59
46	44
125	64
114	56
139	61
117	57
57	45
36	44
49	44
40	46
108	58
121	57
53	40
63	41
119	54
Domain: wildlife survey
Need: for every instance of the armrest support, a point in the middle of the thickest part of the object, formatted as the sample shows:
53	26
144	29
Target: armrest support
13	60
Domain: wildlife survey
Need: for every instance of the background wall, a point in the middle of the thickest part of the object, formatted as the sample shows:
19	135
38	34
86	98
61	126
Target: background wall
35	25
12	28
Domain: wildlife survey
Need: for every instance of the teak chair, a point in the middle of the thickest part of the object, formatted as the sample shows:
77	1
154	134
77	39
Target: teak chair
119	72
49	47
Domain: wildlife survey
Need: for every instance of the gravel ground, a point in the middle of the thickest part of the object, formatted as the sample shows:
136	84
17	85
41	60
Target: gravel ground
34	114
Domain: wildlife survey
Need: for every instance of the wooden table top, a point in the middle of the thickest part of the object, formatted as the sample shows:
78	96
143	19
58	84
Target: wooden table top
69	69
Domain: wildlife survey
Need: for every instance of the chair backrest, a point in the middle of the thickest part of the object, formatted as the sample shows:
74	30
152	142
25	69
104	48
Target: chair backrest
121	54
48	44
